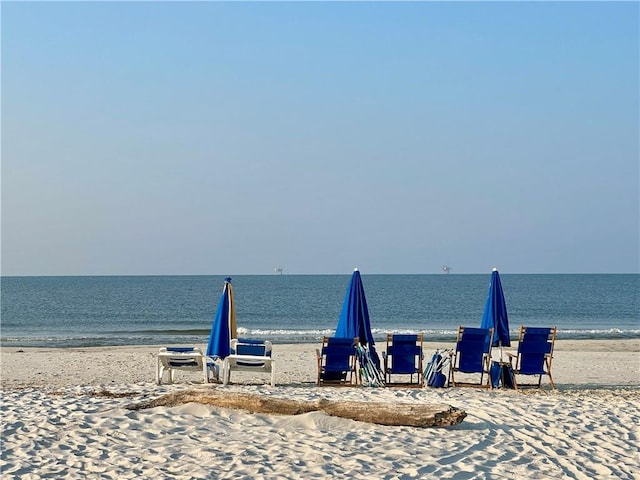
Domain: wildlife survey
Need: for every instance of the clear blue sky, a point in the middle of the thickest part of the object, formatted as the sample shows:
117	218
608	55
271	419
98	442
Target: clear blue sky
234	138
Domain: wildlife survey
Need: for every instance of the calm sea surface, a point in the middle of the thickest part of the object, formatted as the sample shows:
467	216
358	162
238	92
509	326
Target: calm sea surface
140	310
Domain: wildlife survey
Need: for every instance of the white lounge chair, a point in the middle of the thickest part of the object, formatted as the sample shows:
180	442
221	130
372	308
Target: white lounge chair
172	359
249	355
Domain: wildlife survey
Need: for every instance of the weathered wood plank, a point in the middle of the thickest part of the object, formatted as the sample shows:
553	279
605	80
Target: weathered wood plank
408	414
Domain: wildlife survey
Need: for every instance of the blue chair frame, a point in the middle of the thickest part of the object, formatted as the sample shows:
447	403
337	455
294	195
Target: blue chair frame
404	357
472	355
535	354
337	361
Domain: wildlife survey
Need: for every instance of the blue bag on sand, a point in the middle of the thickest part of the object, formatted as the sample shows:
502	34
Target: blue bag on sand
494	373
438	380
507	377
501	374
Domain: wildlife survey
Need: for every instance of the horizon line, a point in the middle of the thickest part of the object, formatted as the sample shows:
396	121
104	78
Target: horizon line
283	274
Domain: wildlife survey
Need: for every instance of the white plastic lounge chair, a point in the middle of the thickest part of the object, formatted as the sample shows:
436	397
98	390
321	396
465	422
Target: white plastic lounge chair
249	355
172	359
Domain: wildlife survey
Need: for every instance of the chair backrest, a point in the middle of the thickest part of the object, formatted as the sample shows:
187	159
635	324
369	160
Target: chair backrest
338	353
534	346
182	359
472	346
403	350
251	346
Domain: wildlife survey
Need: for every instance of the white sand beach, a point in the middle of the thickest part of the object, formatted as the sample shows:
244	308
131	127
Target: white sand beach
64	417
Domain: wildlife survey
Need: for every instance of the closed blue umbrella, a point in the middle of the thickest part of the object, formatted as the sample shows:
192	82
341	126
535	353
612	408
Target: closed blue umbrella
495	313
354	319
224	327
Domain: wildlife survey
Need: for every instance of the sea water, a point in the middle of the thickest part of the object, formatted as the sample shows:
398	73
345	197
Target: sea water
150	310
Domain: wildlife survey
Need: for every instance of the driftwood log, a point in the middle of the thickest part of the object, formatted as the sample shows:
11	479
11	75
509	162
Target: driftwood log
409	414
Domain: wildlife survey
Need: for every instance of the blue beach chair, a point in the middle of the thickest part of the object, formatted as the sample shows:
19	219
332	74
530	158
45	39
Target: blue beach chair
472	355
535	354
404	357
337	361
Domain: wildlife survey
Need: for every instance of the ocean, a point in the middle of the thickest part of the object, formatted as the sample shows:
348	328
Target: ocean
149	310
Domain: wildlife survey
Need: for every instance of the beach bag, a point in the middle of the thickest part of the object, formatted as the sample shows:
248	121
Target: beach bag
494	374
501	374
507	376
438	380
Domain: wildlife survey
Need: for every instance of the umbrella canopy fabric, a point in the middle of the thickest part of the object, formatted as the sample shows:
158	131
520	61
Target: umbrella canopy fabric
224	326
495	312
354	319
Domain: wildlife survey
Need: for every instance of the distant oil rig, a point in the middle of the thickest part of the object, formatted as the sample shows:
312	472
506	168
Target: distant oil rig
446	269
278	270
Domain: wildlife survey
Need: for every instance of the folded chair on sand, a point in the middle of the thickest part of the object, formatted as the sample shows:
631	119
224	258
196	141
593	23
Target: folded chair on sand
172	359
535	353
249	355
337	361
472	355
404	357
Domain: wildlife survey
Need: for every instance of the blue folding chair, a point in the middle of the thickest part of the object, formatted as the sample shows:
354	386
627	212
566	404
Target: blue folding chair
535	354
337	361
472	355
404	357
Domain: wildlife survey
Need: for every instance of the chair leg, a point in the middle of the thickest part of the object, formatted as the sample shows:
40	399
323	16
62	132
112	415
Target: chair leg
215	369
553	386
226	372
488	367
548	362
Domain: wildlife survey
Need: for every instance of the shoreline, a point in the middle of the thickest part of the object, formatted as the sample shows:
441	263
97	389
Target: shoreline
576	363
287	340
599	344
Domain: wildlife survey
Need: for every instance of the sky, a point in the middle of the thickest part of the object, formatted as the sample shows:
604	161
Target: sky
229	138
